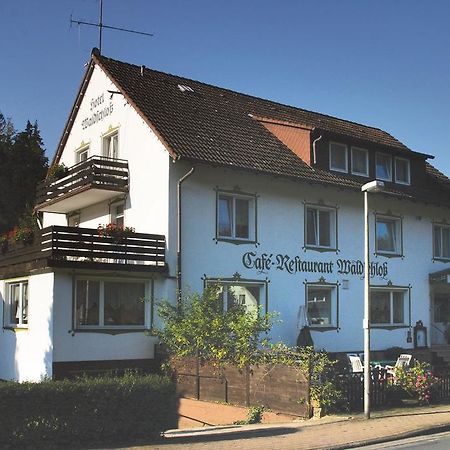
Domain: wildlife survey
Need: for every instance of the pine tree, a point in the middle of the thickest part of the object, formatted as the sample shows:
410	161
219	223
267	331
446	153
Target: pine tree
22	165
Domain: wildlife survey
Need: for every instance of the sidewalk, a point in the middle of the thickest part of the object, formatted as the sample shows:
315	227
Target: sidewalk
330	432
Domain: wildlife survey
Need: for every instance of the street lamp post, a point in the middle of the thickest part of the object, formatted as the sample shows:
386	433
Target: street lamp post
373	186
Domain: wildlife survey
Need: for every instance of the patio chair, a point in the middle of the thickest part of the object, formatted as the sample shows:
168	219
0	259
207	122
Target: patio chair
402	361
355	363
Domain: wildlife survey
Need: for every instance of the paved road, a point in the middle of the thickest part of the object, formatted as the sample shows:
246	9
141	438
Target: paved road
440	441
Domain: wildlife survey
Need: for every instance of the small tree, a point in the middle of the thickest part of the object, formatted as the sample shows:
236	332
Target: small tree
200	325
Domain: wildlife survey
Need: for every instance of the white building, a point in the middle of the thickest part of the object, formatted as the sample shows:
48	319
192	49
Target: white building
261	197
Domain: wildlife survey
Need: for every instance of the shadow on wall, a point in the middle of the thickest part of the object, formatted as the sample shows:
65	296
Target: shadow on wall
32	349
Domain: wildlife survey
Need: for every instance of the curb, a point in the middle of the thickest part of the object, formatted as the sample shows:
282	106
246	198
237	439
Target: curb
397	437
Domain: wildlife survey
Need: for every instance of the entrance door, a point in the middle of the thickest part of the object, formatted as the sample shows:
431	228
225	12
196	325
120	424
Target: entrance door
441	318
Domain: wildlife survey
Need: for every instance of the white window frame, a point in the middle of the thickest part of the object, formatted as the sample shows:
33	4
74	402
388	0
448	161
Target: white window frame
251	217
80	151
441	227
101	310
333	227
338	169
366	152
106	148
334	299
113	216
390	166
398	238
409	171
225	283
7	323
391	291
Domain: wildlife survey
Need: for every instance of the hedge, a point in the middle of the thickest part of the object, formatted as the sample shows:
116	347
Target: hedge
86	411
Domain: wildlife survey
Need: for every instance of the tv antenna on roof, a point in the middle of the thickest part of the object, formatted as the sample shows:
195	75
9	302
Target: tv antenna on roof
100	25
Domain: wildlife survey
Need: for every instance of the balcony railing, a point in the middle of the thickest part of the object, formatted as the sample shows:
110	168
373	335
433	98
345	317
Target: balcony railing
99	173
59	246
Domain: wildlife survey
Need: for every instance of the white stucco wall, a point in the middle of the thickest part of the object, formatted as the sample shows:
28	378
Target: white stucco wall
280	208
149	162
26	354
76	345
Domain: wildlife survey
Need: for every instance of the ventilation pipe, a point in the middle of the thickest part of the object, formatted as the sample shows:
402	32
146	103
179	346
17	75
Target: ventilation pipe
314	148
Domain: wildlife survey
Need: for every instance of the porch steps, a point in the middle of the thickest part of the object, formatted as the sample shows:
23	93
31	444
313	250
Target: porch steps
442	351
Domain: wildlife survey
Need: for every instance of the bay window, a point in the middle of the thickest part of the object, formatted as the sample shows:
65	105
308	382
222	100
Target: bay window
441	241
387	307
16	306
320	227
388	235
236	217
110	304
338	157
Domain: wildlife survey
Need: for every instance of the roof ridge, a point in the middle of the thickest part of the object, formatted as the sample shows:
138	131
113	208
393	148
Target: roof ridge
256	98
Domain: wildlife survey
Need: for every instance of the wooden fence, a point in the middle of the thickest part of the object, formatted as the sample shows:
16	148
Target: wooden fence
281	388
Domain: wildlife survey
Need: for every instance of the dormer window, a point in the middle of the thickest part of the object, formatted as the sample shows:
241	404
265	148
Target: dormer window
383	167
360	161
402	171
338	157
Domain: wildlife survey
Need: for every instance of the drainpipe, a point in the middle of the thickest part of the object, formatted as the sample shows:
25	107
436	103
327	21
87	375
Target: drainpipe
314	148
180	181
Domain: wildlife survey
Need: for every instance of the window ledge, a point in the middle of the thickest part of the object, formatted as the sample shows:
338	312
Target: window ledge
389	255
387	327
321	249
322	328
235	241
109	330
444	260
16	329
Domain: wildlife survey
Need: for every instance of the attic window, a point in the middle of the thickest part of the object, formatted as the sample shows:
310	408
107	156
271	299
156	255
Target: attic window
185	88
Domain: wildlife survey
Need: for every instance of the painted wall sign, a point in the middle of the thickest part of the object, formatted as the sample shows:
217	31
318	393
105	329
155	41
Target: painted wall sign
294	264
99	114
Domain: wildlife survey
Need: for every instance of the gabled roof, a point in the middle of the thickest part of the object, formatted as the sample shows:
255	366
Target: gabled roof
208	124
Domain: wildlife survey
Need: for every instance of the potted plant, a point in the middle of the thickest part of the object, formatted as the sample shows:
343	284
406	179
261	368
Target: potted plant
57	171
116	232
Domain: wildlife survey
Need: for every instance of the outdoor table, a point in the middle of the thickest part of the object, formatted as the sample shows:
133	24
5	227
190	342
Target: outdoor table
383	362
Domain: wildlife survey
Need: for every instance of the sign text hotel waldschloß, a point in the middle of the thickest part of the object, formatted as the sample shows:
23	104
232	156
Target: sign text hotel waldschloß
292	265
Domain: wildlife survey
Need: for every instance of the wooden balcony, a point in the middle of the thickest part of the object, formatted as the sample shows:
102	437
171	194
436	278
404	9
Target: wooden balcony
84	248
89	182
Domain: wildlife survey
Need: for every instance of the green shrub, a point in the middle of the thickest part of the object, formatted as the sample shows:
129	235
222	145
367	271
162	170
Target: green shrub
86	411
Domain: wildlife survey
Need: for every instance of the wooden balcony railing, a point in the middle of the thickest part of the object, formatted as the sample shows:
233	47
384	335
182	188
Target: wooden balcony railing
96	172
59	246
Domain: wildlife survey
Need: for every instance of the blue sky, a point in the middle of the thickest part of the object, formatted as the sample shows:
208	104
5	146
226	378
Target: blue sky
383	63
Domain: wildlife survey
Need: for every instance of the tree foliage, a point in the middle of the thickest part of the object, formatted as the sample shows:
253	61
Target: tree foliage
22	165
198	325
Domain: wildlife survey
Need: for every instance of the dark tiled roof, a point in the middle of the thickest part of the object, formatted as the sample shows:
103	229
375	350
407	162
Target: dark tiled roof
214	125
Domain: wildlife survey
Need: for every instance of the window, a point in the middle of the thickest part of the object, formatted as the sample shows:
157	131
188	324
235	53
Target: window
16	307
111	145
402	172
321	305
249	295
383	167
387	307
441	238
338	157
388	235
236	217
82	154
320	227
110	304
118	214
360	161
